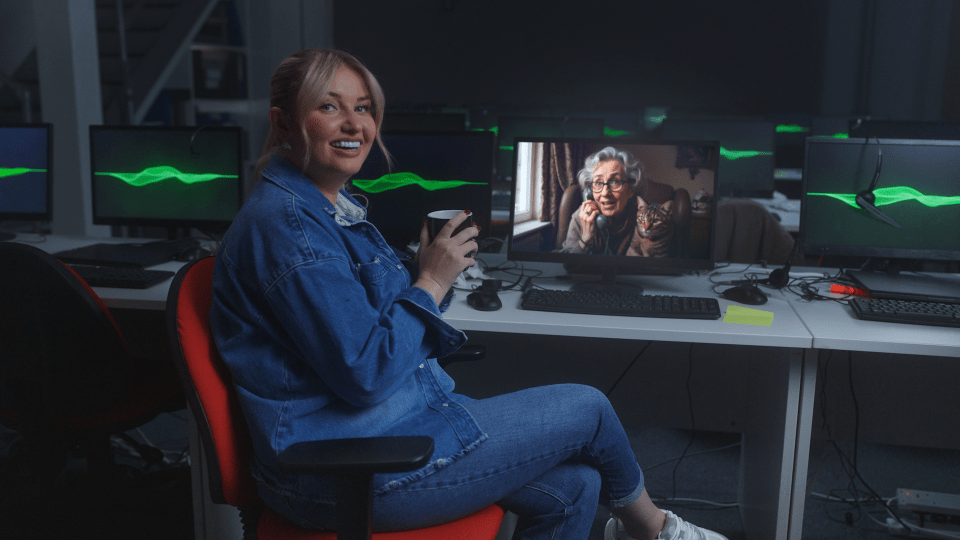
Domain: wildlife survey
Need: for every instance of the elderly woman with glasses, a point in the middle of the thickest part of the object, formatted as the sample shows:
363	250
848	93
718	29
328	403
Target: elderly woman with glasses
606	220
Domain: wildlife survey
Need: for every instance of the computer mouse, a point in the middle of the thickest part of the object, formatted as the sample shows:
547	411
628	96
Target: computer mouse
484	301
193	254
746	293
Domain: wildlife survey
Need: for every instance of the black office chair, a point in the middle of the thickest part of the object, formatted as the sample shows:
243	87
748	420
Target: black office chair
67	380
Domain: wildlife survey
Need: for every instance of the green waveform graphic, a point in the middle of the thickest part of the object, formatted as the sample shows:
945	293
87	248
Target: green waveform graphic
400	179
495	130
893	195
791	128
610	132
738	154
153	175
508	148
17	171
656	119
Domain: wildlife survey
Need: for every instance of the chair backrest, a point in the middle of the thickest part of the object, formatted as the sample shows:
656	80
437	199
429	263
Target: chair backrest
208	385
61	353
748	233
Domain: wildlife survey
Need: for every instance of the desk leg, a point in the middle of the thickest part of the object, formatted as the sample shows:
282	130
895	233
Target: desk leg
808	396
767	454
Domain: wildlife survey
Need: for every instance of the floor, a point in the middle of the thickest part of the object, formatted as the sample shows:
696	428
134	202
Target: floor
701	487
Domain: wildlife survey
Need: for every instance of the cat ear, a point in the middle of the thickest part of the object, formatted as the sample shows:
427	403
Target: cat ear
667	206
641	204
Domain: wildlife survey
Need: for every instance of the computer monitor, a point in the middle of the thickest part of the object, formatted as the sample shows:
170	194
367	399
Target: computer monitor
26	173
905	129
747	157
173	177
431	171
677	187
916	195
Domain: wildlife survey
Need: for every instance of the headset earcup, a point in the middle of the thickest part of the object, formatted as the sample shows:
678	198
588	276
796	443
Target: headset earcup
778	278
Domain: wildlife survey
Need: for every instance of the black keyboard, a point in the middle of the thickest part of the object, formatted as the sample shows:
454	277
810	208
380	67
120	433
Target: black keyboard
120	276
905	311
625	304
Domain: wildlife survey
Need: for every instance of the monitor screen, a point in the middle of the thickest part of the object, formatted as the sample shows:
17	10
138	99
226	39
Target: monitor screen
511	127
747	158
917	186
660	211
26	172
166	176
431	171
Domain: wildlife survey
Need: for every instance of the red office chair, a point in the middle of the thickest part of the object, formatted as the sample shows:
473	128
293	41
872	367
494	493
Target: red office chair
67	379
225	439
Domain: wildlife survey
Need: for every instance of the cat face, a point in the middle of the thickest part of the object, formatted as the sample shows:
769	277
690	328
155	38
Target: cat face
654	220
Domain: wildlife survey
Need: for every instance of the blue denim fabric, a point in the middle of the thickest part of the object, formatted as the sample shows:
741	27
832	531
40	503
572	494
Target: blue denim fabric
551	453
316	318
325	337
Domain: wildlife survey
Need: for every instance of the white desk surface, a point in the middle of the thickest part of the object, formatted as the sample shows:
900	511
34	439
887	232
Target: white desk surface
788	210
787	329
154	298
834	326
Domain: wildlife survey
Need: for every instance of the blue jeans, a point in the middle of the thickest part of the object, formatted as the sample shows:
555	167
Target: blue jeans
552	454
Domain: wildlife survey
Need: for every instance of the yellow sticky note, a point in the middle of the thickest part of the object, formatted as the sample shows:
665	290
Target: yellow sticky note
745	315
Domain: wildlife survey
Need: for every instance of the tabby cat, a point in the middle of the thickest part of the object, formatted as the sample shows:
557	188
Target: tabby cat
654	236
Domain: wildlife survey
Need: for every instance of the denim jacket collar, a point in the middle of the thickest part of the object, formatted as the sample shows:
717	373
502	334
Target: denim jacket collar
285	174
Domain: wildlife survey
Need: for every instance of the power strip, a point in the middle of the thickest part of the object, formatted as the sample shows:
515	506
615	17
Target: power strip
928	502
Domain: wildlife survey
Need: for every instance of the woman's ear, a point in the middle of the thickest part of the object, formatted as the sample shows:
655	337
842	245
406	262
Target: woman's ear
280	124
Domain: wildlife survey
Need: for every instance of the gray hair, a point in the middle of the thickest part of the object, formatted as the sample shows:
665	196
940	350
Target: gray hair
631	167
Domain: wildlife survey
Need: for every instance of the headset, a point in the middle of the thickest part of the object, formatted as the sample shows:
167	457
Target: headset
866	199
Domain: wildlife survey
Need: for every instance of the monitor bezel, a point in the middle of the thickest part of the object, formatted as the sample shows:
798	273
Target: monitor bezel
622	263
202	224
842	250
47	215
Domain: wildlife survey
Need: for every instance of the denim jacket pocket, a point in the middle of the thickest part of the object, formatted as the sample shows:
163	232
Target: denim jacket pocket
372	272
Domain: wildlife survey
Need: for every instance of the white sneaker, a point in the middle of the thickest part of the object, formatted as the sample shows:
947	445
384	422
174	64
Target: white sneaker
674	529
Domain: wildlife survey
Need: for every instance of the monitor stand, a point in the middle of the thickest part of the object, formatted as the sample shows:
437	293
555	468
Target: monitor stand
925	287
608	284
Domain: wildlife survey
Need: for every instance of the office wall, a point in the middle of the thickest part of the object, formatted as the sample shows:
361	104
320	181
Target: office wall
739	57
884	58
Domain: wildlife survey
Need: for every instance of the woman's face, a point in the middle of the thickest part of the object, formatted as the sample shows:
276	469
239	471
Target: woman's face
611	202
341	130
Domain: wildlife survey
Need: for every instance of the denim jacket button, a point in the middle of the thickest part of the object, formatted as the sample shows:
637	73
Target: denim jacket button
445	405
421	366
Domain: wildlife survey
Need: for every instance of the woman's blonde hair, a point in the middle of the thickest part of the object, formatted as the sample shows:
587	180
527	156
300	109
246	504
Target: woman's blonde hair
299	84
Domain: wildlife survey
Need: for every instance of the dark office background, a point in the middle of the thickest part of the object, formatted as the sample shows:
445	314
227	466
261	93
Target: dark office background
745	58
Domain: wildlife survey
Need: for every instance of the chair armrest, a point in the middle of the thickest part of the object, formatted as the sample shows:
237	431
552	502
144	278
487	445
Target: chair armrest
467	353
370	455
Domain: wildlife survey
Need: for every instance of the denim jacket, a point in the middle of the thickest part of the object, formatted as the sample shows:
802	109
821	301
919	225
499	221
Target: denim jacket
316	318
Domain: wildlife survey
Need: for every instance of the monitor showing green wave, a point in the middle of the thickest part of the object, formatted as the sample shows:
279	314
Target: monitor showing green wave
397	180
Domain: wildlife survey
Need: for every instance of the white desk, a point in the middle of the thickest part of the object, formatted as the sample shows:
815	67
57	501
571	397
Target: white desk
154	298
787	210
779	392
834	326
773	387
